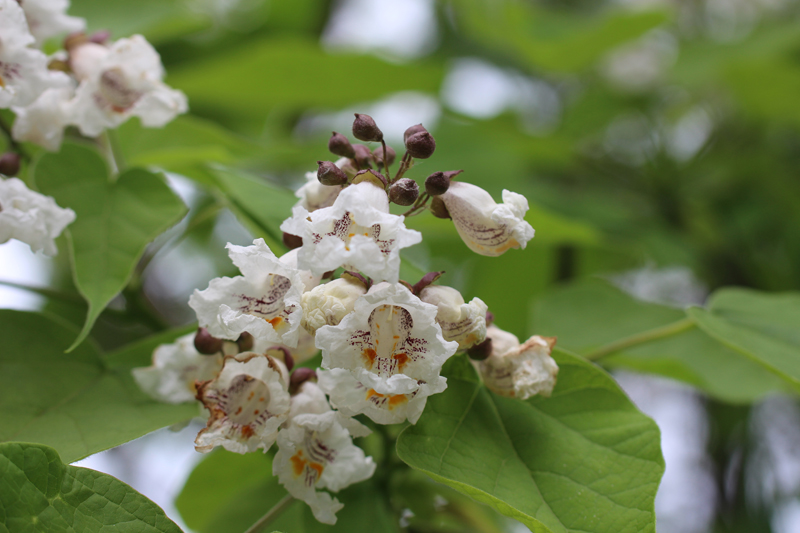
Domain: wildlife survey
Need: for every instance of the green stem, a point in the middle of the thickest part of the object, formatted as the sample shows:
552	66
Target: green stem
271	515
641	338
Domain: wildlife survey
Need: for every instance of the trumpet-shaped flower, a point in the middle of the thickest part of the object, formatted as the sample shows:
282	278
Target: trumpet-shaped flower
385	357
265	301
48	18
356	232
248	401
328	304
519	370
43	121
486	227
317	452
31	217
462	322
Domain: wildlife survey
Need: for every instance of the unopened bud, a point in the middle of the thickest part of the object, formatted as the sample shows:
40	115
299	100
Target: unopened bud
100	37
300	376
437	183
363	155
438	208
412	130
481	351
377	155
292	241
370	175
339	145
329	174
421	145
73	40
365	129
404	191
9	164
205	343
245	342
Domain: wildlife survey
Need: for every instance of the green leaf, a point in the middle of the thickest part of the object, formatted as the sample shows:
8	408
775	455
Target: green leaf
583	460
72	402
140	353
115	220
762	326
40	493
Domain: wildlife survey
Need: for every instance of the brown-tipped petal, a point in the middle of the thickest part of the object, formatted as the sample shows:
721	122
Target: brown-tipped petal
339	145
437	183
9	164
205	343
421	145
245	342
363	155
73	40
438	208
370	175
300	376
292	241
377	155
329	174
355	276
365	129
481	351
412	130
426	280
407	285
489	318
282	353
404	191
450	174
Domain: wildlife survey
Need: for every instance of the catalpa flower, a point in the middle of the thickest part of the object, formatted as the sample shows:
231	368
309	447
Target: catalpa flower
486	227
385	357
43	121
356	232
462	322
248	401
328	304
48	18
316	452
519	370
265	301
31	217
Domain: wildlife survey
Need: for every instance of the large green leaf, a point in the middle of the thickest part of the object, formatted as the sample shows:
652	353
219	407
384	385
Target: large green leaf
763	327
40	493
72	402
115	220
583	460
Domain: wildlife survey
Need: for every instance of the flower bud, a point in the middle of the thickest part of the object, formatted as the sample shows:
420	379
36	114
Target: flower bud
421	145
363	155
9	164
377	155
300	376
481	351
329	174
205	343
282	353
426	280
438	209
292	241
519	370
404	191
74	40
436	184
365	129
412	130
339	145
245	342
328	304
100	37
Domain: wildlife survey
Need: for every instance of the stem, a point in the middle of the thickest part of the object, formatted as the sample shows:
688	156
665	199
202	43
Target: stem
271	514
104	143
418	205
641	338
386	162
403	167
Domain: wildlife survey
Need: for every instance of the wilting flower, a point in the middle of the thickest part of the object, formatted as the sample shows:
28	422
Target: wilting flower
23	69
248	401
316	452
328	304
265	301
462	322
121	81
176	367
43	121
486	227
385	357
31	217
519	370
356	232
48	18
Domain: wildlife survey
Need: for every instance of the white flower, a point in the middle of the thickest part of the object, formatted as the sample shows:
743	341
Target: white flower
356	232
329	303
309	280
317	452
486	227
309	400
460	322
43	121
519	370
119	82
23	69
31	217
304	350
48	18
175	369
248	401
264	302
385	357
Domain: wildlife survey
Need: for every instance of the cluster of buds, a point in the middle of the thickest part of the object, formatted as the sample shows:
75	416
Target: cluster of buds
383	340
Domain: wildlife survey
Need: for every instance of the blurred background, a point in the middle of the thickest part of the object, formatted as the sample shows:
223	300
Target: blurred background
658	142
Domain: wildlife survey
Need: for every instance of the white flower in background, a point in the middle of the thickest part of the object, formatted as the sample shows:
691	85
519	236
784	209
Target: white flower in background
356	232
462	322
265	301
121	81
519	370
175	369
385	357
23	69
309	400
43	121
316	452
486	227
248	401
329	303
48	18
31	217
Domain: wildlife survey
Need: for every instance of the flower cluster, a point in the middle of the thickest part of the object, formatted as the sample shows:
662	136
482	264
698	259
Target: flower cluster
383	341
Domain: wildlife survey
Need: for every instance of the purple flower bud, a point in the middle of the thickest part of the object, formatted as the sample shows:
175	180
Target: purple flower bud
9	164
205	343
339	145
404	191
377	155
438	208
436	184
481	351
292	241
363	155
365	129
421	145
329	174
245	342
300	376
412	130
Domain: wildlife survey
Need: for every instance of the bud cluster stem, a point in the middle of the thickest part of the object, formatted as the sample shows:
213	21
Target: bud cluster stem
418	206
